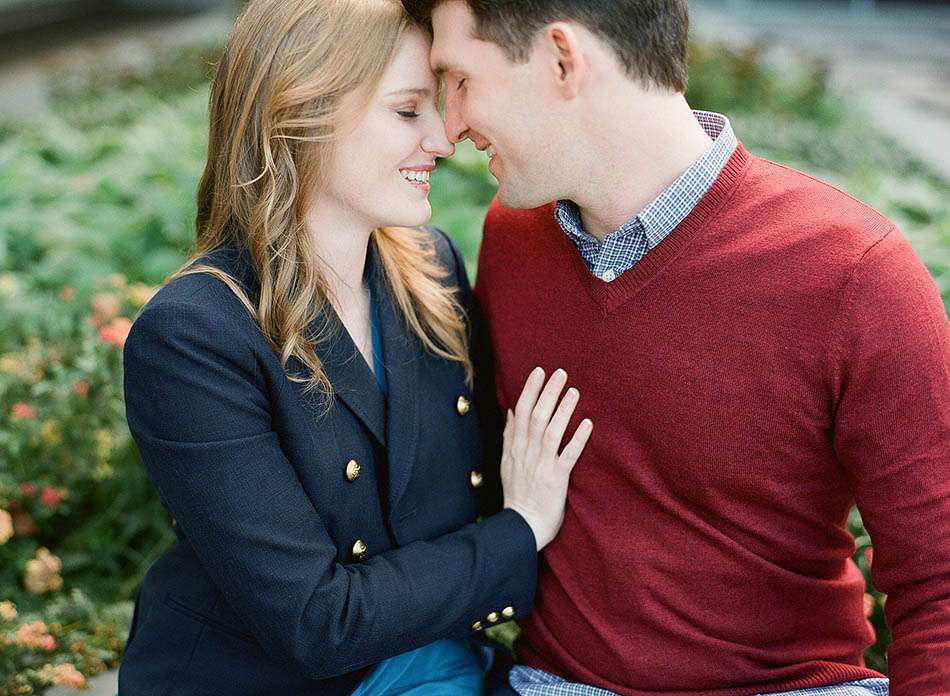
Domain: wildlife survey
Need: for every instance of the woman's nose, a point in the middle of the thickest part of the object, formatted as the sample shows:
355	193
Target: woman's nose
436	143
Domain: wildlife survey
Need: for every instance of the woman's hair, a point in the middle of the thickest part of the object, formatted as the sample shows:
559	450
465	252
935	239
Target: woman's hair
274	110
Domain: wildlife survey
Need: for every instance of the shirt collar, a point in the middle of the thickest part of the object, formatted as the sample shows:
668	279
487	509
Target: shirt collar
662	215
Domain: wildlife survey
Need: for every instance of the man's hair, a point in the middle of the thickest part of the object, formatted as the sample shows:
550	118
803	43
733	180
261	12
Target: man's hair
649	37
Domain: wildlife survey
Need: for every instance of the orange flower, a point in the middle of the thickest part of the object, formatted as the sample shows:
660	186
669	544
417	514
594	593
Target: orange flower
22	411
81	388
34	635
6	526
116	332
67	675
41	574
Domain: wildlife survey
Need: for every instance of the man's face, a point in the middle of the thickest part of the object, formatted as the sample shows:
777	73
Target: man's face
500	105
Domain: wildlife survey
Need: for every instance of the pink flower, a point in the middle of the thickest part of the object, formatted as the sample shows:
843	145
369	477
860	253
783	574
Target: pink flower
22	411
81	388
27	489
51	497
34	635
105	306
116	332
67	293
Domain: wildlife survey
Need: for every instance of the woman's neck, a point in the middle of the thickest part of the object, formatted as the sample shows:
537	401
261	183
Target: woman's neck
341	245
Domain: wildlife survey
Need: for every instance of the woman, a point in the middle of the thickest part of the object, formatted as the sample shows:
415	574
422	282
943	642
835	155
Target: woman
301	391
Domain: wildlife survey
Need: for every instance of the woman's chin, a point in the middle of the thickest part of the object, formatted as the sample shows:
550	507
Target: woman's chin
412	216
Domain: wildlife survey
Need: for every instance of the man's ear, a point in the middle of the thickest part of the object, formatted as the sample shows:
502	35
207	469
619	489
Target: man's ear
567	58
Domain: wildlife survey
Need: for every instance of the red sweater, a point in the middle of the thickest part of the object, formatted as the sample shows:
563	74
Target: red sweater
780	355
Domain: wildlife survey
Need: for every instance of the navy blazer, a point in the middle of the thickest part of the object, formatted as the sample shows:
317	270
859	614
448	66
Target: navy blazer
264	592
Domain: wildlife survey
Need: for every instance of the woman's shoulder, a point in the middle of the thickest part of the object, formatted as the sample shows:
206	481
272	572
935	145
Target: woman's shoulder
201	300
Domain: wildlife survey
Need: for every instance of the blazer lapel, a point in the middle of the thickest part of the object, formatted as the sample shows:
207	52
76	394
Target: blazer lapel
352	379
401	357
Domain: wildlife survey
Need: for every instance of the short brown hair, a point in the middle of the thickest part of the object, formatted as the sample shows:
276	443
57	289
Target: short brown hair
649	37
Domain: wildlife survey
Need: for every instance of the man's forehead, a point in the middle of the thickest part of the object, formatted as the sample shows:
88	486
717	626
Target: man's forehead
451	24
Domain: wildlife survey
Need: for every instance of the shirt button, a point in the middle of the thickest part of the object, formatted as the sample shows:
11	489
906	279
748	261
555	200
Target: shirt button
608	275
508	612
492	617
477	626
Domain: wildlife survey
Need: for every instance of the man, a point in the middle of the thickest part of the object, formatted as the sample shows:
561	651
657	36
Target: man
757	350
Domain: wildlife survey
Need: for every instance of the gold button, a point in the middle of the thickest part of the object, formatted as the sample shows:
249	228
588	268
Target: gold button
508	612
463	405
493	617
477	626
475	478
359	550
352	470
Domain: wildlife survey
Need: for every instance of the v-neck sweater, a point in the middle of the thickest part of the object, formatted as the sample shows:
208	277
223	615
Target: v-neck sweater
780	355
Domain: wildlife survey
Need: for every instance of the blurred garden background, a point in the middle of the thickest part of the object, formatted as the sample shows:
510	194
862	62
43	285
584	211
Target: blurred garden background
99	159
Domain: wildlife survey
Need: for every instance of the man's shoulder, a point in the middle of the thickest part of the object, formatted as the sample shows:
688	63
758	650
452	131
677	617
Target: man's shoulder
806	205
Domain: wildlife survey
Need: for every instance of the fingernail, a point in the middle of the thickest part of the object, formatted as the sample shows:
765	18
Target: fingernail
572	391
560	373
586	424
537	372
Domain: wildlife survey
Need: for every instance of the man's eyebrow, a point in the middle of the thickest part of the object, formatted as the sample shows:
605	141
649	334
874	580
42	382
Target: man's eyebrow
441	68
413	91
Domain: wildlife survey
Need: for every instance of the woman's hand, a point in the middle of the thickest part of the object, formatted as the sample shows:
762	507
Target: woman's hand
534	475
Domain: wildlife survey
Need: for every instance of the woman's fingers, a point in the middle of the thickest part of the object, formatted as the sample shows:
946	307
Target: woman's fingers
554	433
572	451
508	434
547	401
526	402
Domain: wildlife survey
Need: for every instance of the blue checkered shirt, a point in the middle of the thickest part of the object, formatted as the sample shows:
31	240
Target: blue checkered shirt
534	682
623	247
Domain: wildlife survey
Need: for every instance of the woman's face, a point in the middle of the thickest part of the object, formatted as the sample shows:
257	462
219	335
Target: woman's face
379	170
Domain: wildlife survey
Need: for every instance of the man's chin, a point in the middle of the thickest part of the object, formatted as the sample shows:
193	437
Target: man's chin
511	197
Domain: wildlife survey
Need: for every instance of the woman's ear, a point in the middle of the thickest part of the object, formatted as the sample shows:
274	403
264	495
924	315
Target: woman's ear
567	58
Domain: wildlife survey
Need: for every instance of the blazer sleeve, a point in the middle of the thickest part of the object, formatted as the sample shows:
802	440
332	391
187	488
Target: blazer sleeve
197	408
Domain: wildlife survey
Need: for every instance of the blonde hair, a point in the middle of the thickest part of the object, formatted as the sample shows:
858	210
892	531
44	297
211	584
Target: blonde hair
274	108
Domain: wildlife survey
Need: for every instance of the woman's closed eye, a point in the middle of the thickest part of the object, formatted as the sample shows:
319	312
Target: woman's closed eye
408	113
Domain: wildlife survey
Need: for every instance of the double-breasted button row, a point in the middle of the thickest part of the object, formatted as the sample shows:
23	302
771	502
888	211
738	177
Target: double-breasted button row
493	617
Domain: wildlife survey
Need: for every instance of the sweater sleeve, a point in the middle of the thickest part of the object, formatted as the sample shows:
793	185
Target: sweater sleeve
892	434
199	413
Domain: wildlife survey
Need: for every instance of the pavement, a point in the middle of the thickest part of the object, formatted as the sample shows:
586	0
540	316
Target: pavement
891	59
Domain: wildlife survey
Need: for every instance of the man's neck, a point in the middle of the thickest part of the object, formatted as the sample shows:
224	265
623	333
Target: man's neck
649	148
